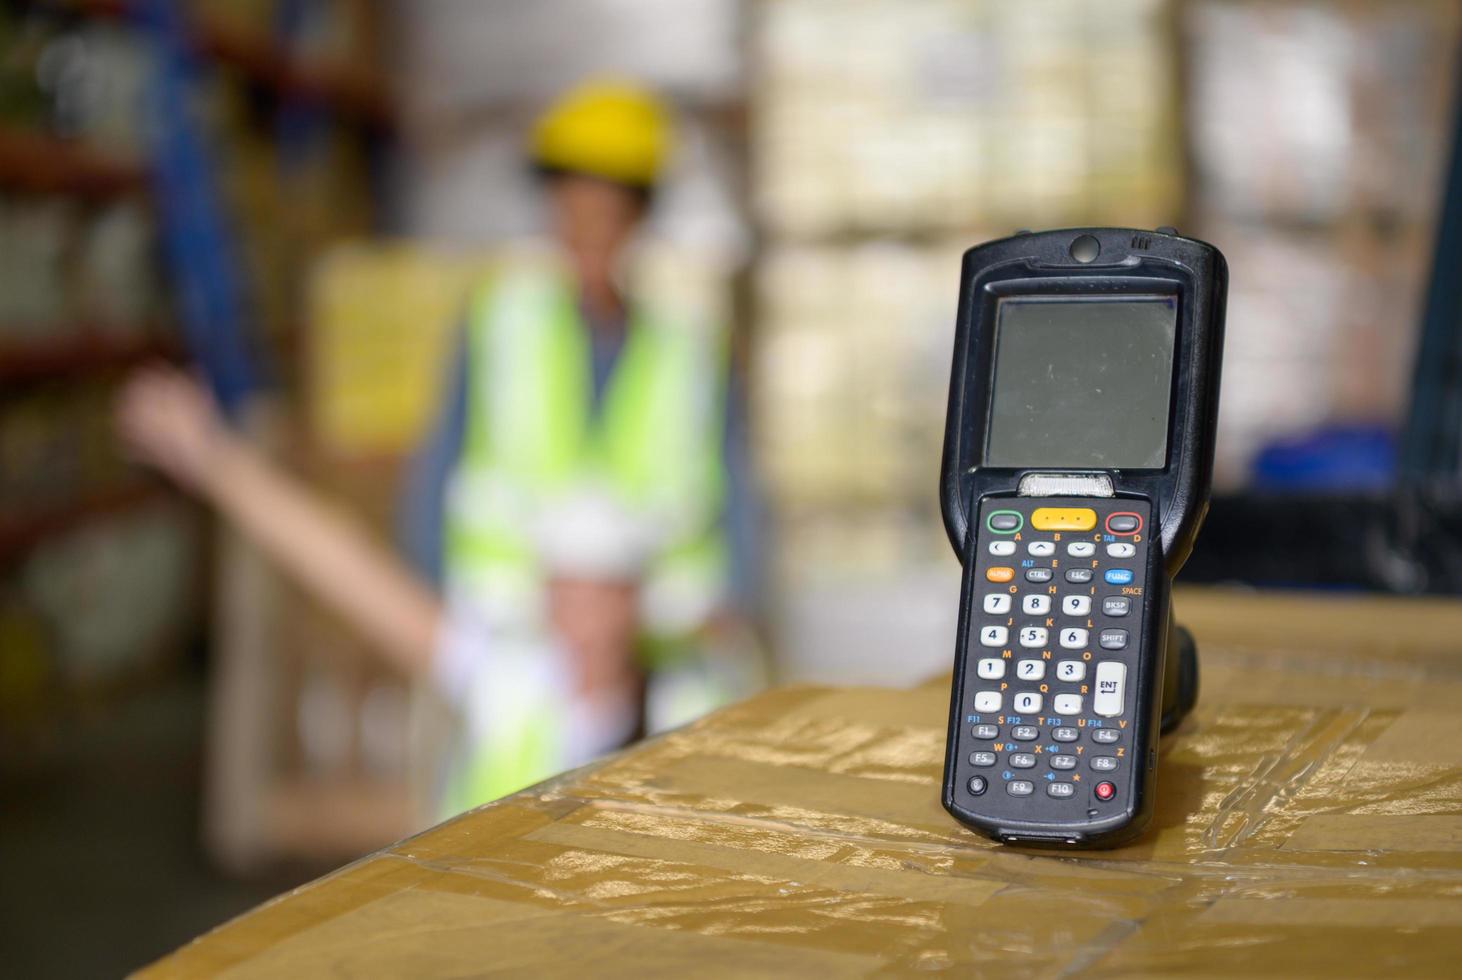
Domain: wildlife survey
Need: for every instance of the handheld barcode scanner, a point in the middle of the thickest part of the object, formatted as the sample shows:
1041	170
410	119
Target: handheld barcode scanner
1078	458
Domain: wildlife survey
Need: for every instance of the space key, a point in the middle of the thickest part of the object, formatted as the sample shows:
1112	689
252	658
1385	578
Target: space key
1111	684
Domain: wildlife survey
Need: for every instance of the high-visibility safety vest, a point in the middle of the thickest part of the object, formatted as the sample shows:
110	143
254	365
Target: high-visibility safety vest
532	436
515	726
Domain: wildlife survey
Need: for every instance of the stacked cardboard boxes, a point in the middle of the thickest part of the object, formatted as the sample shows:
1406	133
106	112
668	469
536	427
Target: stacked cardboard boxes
887	138
1319	132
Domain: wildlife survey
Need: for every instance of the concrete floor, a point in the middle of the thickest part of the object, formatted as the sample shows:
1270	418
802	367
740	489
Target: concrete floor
100	868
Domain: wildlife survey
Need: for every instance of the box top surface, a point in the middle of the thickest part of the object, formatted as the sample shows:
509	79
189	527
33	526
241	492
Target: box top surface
802	830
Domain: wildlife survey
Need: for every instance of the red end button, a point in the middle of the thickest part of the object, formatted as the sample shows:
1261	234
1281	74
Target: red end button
1124	522
1105	791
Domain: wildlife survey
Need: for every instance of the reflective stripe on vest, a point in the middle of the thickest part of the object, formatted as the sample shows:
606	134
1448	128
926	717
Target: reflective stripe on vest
531	433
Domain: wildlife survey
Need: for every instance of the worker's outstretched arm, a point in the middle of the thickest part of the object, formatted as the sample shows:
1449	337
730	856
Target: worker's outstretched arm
172	423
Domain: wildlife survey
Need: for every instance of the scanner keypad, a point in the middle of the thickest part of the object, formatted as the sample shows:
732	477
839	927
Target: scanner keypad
1057	627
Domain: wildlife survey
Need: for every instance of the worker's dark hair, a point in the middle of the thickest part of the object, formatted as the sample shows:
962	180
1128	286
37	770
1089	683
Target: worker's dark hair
644	194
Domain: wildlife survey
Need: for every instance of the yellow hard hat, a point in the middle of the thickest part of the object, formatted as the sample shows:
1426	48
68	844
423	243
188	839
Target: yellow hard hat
614	130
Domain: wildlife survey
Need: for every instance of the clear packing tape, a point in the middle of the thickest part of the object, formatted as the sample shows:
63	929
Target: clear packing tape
1309	822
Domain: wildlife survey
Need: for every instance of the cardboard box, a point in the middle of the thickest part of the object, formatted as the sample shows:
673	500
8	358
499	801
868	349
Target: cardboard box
1309	822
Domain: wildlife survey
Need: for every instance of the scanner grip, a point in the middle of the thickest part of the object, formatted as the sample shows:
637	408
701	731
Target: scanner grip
1180	675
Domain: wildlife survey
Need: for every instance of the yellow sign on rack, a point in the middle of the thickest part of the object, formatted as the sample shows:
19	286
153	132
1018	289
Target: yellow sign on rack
382	322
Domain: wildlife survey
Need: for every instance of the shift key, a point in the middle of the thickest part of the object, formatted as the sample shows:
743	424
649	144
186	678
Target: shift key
1111	684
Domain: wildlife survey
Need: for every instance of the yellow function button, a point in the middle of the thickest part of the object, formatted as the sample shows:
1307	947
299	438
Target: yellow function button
1063	519
1000	574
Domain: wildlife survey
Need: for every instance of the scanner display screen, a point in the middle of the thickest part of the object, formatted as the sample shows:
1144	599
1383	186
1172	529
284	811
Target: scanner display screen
1082	383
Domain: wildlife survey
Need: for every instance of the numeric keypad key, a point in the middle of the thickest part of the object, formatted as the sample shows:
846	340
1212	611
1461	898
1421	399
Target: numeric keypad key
1076	605
1070	671
1033	637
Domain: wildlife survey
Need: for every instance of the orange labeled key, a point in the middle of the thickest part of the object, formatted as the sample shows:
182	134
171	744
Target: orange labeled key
1000	574
1063	519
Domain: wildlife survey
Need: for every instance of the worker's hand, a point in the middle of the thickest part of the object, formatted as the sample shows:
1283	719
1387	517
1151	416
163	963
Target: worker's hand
167	419
597	622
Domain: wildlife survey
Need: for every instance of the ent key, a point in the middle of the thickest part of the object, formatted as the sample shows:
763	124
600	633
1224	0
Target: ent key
1111	683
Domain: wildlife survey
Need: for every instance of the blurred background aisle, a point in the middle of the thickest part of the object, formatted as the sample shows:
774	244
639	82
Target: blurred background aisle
297	194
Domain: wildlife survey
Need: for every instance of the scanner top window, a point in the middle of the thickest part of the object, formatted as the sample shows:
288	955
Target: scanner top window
1081	383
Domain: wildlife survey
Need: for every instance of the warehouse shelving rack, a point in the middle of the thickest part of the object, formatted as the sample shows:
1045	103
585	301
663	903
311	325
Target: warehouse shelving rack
250	818
37	163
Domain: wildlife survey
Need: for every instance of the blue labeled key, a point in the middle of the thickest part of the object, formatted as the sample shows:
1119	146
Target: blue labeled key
1119	576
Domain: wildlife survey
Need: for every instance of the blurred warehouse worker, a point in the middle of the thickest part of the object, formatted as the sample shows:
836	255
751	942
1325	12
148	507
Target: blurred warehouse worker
572	501
562	381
